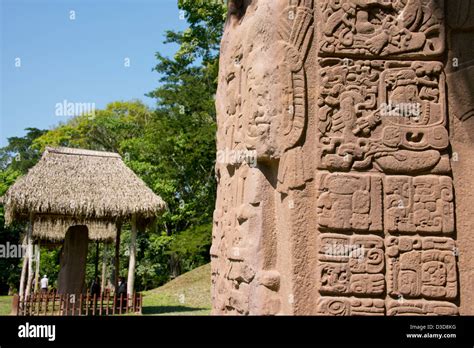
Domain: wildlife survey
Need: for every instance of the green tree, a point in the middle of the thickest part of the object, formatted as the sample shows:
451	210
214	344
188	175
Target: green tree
15	160
186	115
19	154
105	130
182	136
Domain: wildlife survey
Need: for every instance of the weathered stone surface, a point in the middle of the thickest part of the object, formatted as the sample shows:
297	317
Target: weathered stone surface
342	306
421	204
351	265
349	202
460	78
403	307
421	267
355	197
383	115
381	28
71	278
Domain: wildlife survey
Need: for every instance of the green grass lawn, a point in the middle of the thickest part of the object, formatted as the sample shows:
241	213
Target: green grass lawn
188	294
5	305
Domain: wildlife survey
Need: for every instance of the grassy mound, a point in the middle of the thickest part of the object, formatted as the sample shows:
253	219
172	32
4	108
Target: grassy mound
5	305
188	294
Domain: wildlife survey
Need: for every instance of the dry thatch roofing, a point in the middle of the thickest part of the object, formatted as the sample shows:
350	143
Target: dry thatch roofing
75	186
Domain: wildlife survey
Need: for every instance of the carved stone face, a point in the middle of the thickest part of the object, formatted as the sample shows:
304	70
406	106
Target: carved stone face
252	86
264	104
264	49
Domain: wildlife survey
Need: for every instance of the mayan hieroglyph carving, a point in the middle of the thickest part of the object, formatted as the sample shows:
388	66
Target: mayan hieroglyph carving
351	265
421	267
349	202
337	306
407	307
403	28
351	206
387	116
421	204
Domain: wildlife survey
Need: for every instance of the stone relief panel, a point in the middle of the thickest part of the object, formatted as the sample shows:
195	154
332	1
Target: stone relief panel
349	202
382	112
231	250
265	104
422	204
351	265
421	267
383	116
261	108
381	28
460	81
372	96
343	306
421	307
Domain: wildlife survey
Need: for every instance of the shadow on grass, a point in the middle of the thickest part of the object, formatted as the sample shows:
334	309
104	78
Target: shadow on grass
150	310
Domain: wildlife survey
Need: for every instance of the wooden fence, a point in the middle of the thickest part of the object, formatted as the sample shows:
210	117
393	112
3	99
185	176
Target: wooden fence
55	304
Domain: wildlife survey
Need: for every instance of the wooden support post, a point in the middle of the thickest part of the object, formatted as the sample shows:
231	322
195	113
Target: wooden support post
107	303
24	267
87	304
101	303
47	304
30	256
29	299
94	304
39	300
132	260
96	263
37	266
104	268
117	256
54	302
114	304
80	304
140	301
134	309
15	305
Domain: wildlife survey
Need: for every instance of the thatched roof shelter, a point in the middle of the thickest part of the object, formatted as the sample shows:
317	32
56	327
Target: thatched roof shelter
80	187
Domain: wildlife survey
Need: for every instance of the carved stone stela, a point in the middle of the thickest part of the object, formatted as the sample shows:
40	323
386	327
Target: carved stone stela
349	205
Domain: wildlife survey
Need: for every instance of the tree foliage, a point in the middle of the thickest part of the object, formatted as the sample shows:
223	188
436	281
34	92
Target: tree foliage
15	160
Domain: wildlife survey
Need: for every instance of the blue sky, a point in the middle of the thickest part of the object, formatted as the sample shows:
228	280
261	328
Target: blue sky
80	60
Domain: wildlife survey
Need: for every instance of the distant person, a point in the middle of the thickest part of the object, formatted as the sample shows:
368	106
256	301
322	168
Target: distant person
121	291
44	284
122	287
95	287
